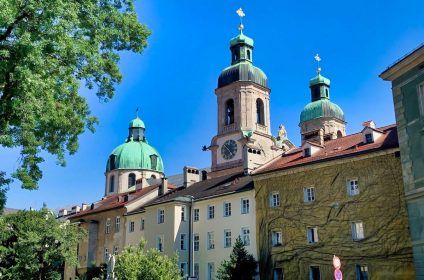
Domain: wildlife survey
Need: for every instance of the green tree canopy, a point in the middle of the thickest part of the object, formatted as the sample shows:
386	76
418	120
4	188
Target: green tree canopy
240	266
47	49
35	245
135	263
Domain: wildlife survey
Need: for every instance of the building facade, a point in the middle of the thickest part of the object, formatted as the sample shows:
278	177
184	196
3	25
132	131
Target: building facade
407	77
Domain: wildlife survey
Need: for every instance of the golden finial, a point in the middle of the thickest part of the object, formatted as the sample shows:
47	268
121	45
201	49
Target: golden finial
241	15
318	59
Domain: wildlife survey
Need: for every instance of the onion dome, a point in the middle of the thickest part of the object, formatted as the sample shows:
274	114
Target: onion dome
135	153
242	68
320	105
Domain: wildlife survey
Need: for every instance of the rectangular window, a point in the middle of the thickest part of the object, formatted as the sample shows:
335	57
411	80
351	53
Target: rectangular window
211	212
183	241
314	273
159	243
352	187
361	272
277	274
142	224
107	226
308	194
312	235
161	216
196	269
227	238
117	224
227	209
196	241
307	152
211	271
106	254
277	238
211	240
244	205
369	138
183	268
183	214
245	236
115	250
421	98
131	227
196	215
357	231
274	199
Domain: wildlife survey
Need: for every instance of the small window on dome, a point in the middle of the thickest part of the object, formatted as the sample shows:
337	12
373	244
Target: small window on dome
154	161
131	180
112	164
326	92
248	55
153	177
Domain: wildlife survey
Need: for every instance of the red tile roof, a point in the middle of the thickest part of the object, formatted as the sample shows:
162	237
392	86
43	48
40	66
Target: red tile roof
115	201
348	146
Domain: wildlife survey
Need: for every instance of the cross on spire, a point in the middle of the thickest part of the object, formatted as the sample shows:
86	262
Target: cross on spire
318	59
241	15
136	112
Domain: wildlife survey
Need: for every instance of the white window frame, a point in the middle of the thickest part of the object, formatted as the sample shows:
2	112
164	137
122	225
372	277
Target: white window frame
421	98
274	199
312	235
196	242
196	269
245	236
309	194
211	212
357	231
107	226
227	238
131	226
196	214
369	138
183	241
245	206
276	238
117	224
211	271
161	216
211	240
183	214
352	186
159	243
115	250
227	209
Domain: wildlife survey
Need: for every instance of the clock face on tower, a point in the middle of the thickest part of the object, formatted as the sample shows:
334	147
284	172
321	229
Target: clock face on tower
229	149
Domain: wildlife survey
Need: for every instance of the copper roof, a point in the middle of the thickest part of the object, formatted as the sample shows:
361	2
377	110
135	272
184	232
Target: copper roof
347	146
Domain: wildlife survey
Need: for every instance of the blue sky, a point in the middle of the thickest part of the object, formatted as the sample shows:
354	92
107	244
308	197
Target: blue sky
173	81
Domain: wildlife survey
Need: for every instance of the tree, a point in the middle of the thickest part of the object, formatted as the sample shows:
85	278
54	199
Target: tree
47	49
240	266
35	245
135	263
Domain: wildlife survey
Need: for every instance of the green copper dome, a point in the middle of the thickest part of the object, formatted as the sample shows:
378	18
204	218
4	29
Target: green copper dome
137	122
322	108
135	155
319	79
242	71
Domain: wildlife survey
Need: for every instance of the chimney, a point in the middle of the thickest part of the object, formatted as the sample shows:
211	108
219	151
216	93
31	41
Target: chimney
369	124
191	176
204	175
84	207
163	188
63	212
75	209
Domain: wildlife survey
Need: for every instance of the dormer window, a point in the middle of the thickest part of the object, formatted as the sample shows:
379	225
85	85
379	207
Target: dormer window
369	138
307	152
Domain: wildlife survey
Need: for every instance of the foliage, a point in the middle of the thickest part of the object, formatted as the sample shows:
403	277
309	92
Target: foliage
135	263
47	49
95	272
35	245
240	266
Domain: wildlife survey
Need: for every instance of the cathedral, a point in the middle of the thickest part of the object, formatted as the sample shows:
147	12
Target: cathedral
257	187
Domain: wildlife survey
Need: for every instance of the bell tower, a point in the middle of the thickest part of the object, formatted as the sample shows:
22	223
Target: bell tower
243	140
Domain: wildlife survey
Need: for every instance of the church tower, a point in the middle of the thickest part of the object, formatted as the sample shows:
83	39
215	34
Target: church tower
321	119
244	140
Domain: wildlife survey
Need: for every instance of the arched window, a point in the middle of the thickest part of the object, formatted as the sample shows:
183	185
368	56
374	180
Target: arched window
248	55
339	134
229	112
131	180
111	183
153	176
260	111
